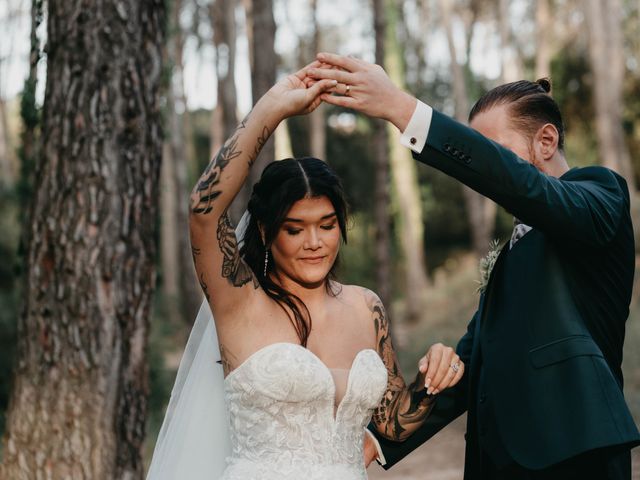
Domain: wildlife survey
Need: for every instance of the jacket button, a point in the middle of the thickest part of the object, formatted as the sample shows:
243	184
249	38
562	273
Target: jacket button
483	398
447	147
466	158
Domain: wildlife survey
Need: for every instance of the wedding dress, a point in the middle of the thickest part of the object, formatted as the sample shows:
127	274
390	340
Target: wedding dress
285	419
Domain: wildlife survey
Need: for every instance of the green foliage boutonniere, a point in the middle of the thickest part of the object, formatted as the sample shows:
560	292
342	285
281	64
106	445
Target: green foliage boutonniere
487	263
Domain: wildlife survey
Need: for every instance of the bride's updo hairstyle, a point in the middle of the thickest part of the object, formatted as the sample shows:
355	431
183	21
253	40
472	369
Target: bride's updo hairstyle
281	185
530	106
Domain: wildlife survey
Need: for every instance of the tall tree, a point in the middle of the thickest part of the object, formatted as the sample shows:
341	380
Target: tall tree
317	124
261	33
380	147
511	61
225	118
608	67
404	177
7	164
544	32
78	404
480	210
182	293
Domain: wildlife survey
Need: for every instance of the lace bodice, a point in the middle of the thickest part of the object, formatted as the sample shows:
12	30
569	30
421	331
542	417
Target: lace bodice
283	420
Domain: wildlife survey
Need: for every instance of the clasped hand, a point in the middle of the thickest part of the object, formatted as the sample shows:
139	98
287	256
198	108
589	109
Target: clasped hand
347	82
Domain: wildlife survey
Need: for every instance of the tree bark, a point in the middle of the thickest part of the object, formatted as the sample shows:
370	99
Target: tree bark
317	124
7	162
182	294
404	177
79	399
263	71
261	33
480	210
225	118
381	188
511	63
607	64
544	31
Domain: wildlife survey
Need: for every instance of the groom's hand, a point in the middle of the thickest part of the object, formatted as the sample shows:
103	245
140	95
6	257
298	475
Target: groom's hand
441	368
364	87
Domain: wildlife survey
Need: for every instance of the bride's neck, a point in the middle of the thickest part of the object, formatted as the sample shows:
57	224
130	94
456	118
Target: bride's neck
310	294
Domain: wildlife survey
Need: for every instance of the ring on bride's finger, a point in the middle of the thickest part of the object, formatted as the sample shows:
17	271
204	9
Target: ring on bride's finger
347	90
455	367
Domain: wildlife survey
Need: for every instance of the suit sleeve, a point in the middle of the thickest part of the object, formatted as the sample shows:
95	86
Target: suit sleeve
585	205
450	404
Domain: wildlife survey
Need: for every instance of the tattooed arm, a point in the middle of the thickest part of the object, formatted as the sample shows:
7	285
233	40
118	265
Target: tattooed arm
404	408
215	251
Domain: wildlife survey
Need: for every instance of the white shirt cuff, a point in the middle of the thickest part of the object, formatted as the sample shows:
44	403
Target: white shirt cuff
381	460
415	135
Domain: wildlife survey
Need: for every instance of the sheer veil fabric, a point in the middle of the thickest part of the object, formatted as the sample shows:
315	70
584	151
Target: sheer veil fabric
194	438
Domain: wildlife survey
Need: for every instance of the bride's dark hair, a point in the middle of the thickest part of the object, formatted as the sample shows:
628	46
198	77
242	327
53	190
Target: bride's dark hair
281	185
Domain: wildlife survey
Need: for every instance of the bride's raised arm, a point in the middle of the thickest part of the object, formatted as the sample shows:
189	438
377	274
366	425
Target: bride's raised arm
225	279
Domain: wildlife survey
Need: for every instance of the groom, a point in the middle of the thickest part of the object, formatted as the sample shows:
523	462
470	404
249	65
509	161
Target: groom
543	388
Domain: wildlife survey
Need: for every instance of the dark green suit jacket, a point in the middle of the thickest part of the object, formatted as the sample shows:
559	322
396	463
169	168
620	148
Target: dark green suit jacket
548	334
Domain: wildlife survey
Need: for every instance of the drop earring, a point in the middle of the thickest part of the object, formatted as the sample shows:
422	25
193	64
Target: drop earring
266	261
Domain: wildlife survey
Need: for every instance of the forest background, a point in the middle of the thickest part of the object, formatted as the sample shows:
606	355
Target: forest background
109	111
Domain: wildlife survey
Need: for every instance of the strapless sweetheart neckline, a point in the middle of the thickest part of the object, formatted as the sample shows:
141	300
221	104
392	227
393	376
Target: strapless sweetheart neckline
266	348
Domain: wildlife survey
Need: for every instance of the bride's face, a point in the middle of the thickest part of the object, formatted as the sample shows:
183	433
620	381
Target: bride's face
307	244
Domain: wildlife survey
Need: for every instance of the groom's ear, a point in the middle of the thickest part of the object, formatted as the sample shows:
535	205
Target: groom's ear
547	138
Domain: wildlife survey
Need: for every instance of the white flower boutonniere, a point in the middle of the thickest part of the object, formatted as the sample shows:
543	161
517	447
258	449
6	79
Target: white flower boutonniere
487	263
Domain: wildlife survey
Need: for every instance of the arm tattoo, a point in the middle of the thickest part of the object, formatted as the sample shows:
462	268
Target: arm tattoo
227	359
402	408
204	287
204	192
233	266
262	139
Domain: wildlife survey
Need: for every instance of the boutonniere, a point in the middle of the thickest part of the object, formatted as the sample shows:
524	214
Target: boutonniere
487	263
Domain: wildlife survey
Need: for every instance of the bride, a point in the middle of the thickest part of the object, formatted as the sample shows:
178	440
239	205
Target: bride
307	361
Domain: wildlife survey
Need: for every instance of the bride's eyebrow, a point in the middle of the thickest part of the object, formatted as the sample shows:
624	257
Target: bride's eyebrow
298	220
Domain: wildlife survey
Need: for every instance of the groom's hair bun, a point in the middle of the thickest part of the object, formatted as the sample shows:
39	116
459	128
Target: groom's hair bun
545	83
530	106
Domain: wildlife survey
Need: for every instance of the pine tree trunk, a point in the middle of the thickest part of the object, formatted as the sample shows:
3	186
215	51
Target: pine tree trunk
263	69
317	125
79	399
381	190
225	118
480	210
607	63
7	163
261	33
182	293
544	33
404	177
511	63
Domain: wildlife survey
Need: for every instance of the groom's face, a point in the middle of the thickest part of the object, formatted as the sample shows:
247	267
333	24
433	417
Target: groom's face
496	124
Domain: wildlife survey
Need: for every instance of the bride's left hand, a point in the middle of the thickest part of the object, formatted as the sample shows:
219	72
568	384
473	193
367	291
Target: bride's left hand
441	368
292	96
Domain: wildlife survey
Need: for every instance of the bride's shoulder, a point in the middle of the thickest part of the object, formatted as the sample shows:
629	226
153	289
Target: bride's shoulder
364	296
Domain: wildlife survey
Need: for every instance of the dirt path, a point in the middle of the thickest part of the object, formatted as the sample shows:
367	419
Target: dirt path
442	459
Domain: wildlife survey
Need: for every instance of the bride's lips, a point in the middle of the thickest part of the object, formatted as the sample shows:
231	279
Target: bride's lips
312	259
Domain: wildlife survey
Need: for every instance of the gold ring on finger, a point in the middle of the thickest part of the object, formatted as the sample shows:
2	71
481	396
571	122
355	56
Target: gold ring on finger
347	90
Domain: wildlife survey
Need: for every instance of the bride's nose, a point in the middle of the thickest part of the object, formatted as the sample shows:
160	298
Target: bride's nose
312	240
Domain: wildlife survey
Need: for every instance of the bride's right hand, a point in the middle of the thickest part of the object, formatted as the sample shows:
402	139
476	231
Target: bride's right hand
291	96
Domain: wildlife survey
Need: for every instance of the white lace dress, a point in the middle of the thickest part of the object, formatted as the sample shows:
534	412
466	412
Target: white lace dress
283	420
